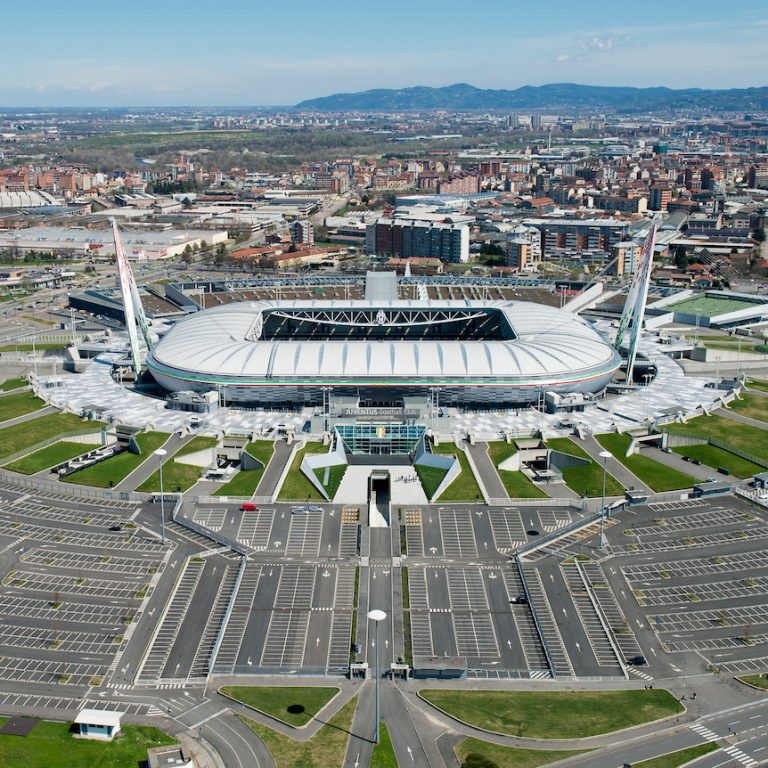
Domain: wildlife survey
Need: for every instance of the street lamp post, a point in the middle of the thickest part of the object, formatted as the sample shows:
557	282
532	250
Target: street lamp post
377	616
604	455
161	453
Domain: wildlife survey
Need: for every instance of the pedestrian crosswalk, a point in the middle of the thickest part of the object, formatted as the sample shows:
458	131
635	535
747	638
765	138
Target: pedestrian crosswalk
742	757
705	732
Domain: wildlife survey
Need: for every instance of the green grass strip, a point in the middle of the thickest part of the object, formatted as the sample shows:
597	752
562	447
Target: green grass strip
50	745
679	758
658	477
119	467
325	749
19	404
464	487
743	437
49	457
10	384
293	705
474	753
555	714
176	475
296	487
716	457
246	481
585	480
383	755
34	431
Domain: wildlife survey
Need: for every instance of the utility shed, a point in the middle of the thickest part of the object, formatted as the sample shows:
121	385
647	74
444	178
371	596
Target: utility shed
98	724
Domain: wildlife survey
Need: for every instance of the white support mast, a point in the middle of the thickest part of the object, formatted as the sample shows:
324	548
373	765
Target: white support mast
634	309
126	278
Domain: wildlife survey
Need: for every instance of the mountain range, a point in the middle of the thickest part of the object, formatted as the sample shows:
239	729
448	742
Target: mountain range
461	97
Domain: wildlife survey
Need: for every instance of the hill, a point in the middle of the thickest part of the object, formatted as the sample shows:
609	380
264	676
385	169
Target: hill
462	96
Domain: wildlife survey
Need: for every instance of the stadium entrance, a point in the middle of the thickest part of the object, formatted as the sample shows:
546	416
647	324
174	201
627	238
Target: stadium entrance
365	440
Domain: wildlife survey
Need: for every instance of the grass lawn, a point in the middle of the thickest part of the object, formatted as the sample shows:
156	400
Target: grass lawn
753	406
335	476
759	681
658	477
715	457
511	757
758	384
464	487
9	384
28	347
676	759
557	714
245	482
430	478
744	437
14	439
325	749
383	753
585	480
296	486
48	457
19	404
293	705
518	486
50	745
500	451
178	476
119	467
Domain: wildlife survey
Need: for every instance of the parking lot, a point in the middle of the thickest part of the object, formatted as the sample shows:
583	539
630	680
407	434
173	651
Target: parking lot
709	606
289	616
75	573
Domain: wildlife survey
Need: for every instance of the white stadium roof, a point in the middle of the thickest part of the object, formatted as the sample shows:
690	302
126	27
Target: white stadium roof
219	346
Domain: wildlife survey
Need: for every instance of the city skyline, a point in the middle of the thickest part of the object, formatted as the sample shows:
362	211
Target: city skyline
179	54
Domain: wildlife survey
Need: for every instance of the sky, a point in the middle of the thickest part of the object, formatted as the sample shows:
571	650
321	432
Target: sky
267	52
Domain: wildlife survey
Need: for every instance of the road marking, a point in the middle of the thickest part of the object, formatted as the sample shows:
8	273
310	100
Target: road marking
207	719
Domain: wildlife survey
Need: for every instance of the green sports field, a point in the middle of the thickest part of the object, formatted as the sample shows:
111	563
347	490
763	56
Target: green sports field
708	306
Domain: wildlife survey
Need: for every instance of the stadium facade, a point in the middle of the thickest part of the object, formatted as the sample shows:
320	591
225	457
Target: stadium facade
481	353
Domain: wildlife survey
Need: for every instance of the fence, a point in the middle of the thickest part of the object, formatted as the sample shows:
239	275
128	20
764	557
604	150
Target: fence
76	491
227	615
535	616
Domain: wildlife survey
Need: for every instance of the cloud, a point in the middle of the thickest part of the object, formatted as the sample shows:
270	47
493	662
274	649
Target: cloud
586	47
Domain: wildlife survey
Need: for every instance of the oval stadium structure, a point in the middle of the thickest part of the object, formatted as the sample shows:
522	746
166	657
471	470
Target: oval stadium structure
501	353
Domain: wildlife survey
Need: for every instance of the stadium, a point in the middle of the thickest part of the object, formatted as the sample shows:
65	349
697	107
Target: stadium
471	353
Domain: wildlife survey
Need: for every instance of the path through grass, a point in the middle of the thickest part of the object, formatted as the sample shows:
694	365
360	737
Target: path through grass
326	749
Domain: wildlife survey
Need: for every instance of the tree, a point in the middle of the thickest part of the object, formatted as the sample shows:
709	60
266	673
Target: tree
681	257
759	235
475	760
